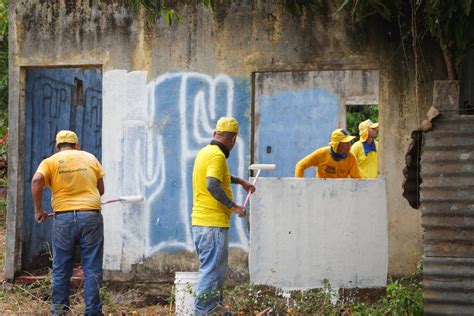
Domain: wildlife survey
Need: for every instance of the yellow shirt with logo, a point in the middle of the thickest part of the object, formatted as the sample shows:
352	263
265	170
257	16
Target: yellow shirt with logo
327	166
368	164
72	176
207	211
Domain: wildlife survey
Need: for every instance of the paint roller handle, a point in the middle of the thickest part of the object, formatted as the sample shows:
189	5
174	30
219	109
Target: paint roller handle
126	199
249	192
110	201
239	210
247	198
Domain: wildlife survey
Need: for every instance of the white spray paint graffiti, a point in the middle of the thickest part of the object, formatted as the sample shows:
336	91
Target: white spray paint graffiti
159	136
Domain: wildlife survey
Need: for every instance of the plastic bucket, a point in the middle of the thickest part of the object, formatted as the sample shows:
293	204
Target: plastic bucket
185	293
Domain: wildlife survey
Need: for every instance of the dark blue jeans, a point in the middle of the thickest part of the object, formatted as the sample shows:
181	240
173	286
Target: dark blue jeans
86	230
212	247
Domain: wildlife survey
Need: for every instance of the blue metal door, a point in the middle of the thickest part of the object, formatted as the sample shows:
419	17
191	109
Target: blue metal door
56	99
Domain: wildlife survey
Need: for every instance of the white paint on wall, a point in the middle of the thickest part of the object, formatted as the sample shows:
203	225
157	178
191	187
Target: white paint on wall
124	145
135	163
114	97
303	231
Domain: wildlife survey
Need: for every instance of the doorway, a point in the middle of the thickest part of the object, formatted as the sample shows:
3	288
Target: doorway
55	99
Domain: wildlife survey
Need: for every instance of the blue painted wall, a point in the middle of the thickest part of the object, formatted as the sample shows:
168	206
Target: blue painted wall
49	108
186	108
294	124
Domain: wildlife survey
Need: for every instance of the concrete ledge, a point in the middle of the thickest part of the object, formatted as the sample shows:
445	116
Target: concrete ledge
303	231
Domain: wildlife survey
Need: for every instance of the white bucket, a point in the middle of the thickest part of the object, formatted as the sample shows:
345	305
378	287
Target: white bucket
185	293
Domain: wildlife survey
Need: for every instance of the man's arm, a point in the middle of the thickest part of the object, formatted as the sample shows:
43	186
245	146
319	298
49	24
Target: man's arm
215	189
245	184
37	188
354	172
100	186
305	163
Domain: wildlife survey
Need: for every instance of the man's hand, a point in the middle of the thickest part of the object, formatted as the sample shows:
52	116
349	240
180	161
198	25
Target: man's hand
41	216
247	185
239	210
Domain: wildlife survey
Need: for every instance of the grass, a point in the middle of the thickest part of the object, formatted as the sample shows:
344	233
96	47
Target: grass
402	296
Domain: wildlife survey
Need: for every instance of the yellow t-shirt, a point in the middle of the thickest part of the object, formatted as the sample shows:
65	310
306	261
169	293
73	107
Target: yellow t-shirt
327	166
207	211
72	176
368	165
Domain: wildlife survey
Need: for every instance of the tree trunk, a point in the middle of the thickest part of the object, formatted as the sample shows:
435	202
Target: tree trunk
449	60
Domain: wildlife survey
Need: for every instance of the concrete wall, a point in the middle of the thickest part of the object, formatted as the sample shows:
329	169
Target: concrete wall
152	132
303	231
295	112
238	39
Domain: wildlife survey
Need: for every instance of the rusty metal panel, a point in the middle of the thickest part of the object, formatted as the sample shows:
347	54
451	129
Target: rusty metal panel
448	286
447	189
447	205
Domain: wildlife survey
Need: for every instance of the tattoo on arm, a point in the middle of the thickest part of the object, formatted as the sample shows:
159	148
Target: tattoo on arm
234	180
215	188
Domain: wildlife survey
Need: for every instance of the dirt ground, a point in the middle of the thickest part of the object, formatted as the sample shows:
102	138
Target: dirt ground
119	299
157	299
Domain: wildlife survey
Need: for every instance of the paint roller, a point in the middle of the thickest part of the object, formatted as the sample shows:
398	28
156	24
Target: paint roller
124	199
259	167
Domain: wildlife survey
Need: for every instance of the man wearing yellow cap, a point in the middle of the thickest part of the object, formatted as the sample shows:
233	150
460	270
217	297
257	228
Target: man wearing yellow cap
75	179
334	161
212	209
366	149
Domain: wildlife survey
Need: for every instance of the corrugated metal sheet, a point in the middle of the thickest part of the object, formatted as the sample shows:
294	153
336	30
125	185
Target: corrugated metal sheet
447	205
448	285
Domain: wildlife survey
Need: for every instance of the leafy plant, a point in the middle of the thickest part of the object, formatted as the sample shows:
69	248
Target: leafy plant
156	9
315	300
106	299
299	7
359	113
403	298
449	22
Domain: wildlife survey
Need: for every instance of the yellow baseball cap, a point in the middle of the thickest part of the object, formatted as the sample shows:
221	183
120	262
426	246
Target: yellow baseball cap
65	136
339	136
227	124
364	129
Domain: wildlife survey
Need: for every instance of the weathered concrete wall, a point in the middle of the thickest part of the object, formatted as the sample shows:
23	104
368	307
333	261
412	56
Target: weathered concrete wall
303	231
236	40
151	134
295	112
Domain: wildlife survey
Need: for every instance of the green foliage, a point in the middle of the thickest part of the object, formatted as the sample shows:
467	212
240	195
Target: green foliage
362	9
403	297
299	7
3	212
247	298
307	302
156	9
449	22
359	113
106	299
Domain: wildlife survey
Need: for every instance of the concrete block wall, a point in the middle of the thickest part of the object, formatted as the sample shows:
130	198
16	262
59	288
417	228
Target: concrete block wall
303	231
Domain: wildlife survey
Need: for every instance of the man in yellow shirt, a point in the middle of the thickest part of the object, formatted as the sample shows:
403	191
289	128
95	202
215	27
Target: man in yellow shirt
212	209
366	149
75	179
333	161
